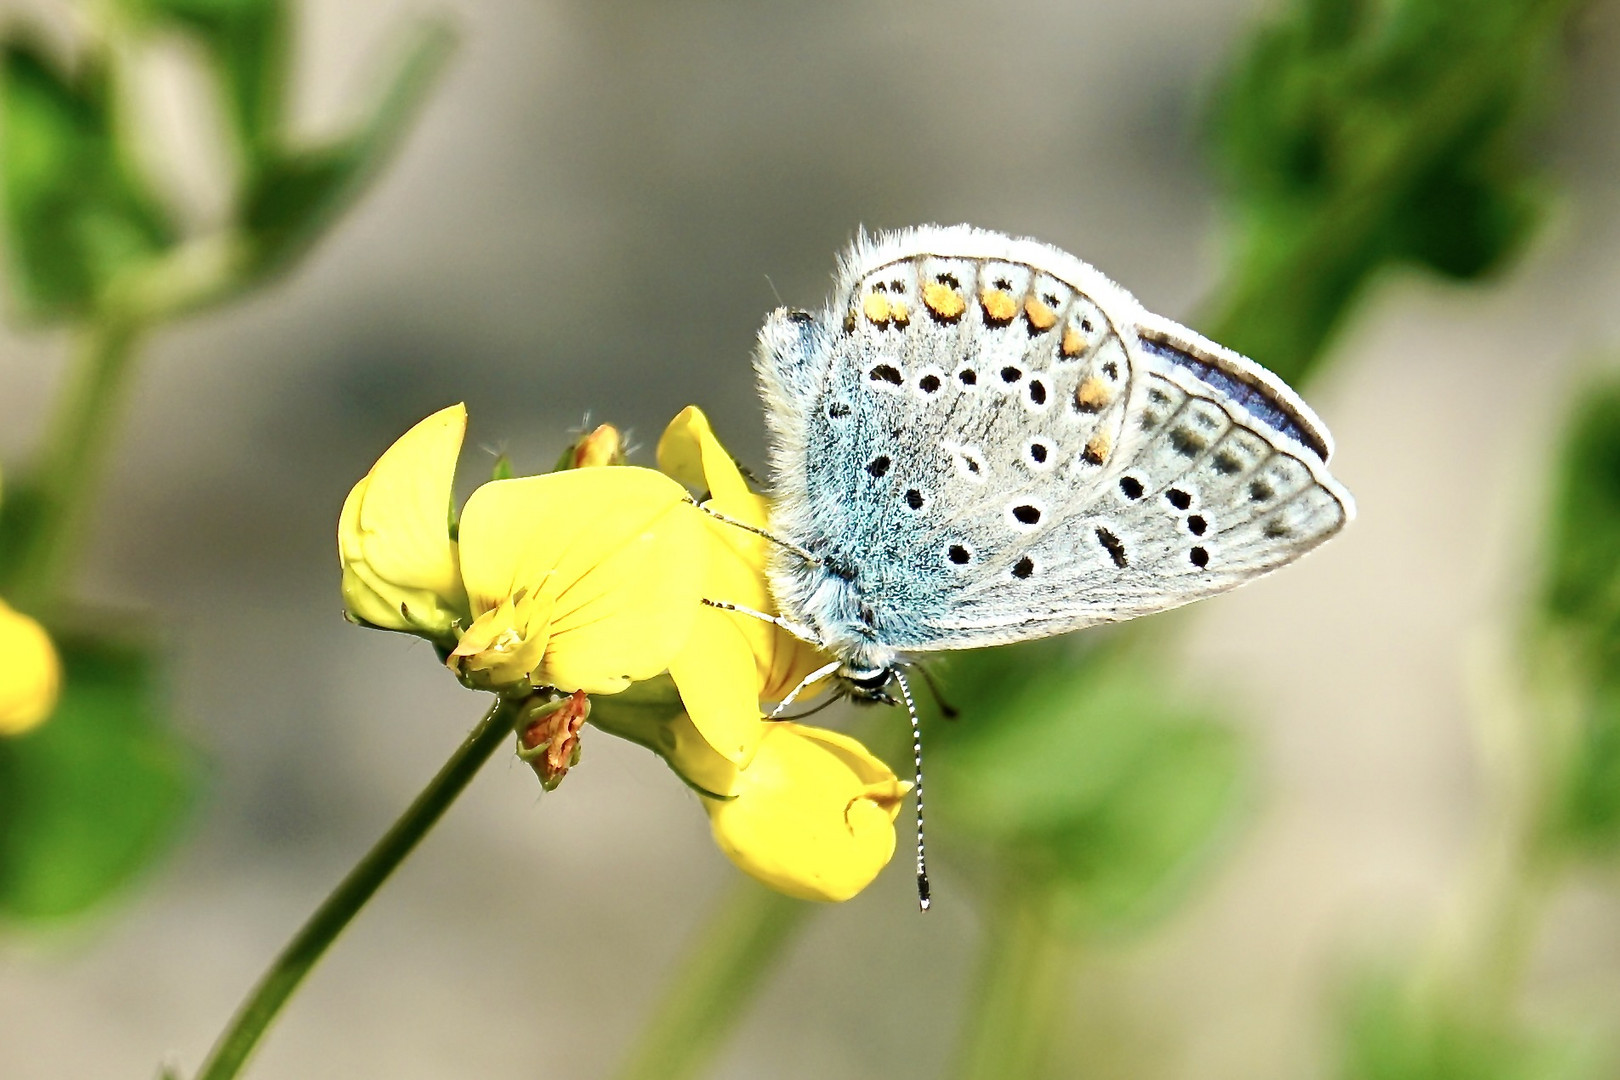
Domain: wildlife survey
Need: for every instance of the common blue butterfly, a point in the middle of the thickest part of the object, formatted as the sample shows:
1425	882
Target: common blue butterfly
982	440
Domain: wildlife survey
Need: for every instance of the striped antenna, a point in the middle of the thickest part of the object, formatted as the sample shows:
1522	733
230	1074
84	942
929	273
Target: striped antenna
916	757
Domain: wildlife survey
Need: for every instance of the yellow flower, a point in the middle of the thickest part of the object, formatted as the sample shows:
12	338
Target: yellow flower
812	815
30	673
592	576
580	580
590	580
399	560
732	661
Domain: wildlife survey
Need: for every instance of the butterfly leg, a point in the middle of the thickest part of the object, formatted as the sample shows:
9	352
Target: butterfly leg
809	680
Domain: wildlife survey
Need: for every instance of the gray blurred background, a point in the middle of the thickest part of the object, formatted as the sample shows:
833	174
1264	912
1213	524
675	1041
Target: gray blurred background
598	207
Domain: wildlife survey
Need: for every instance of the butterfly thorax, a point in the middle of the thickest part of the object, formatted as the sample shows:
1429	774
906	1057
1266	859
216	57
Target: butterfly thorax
827	599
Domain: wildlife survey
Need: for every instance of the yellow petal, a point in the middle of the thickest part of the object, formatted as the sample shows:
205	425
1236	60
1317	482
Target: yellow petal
30	673
716	676
618	553
504	644
813	814
399	562
690	452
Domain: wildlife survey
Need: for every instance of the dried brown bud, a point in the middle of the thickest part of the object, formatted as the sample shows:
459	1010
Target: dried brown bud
548	737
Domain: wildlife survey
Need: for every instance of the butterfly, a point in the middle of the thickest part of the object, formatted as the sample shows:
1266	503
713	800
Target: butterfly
982	440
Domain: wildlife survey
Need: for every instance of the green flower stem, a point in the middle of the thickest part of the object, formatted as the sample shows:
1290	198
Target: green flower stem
74	457
1021	990
731	954
277	984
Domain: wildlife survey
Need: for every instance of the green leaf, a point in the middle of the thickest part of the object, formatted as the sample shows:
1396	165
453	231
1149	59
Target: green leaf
298	194
1086	774
76	215
1582	590
1396	1031
1354	135
1581	605
96	793
247	43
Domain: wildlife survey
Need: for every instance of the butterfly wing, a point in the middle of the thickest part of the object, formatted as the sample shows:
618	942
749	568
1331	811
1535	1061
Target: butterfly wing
985	440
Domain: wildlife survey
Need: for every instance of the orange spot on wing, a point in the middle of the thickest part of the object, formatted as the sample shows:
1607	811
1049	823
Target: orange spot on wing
1097	448
876	308
999	305
1074	342
1039	315
943	300
1092	394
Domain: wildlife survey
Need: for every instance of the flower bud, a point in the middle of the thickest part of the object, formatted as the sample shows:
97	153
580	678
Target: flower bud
604	446
548	736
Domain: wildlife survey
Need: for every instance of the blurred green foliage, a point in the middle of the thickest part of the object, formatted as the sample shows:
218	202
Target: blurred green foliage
1082	774
1581	604
89	797
86	230
246	45
1353	134
1398	1031
92	243
76	214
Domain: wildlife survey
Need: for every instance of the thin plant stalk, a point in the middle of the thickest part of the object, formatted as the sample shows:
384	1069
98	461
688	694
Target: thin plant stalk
729	957
74	457
237	1042
1022	990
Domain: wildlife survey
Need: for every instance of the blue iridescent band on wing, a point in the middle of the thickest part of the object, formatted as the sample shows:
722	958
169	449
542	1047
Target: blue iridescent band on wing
1250	396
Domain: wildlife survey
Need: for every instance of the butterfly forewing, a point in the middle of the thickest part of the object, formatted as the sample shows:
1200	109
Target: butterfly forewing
979	445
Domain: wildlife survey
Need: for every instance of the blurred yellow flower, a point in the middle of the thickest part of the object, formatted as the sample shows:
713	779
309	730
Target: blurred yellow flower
30	673
812	815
